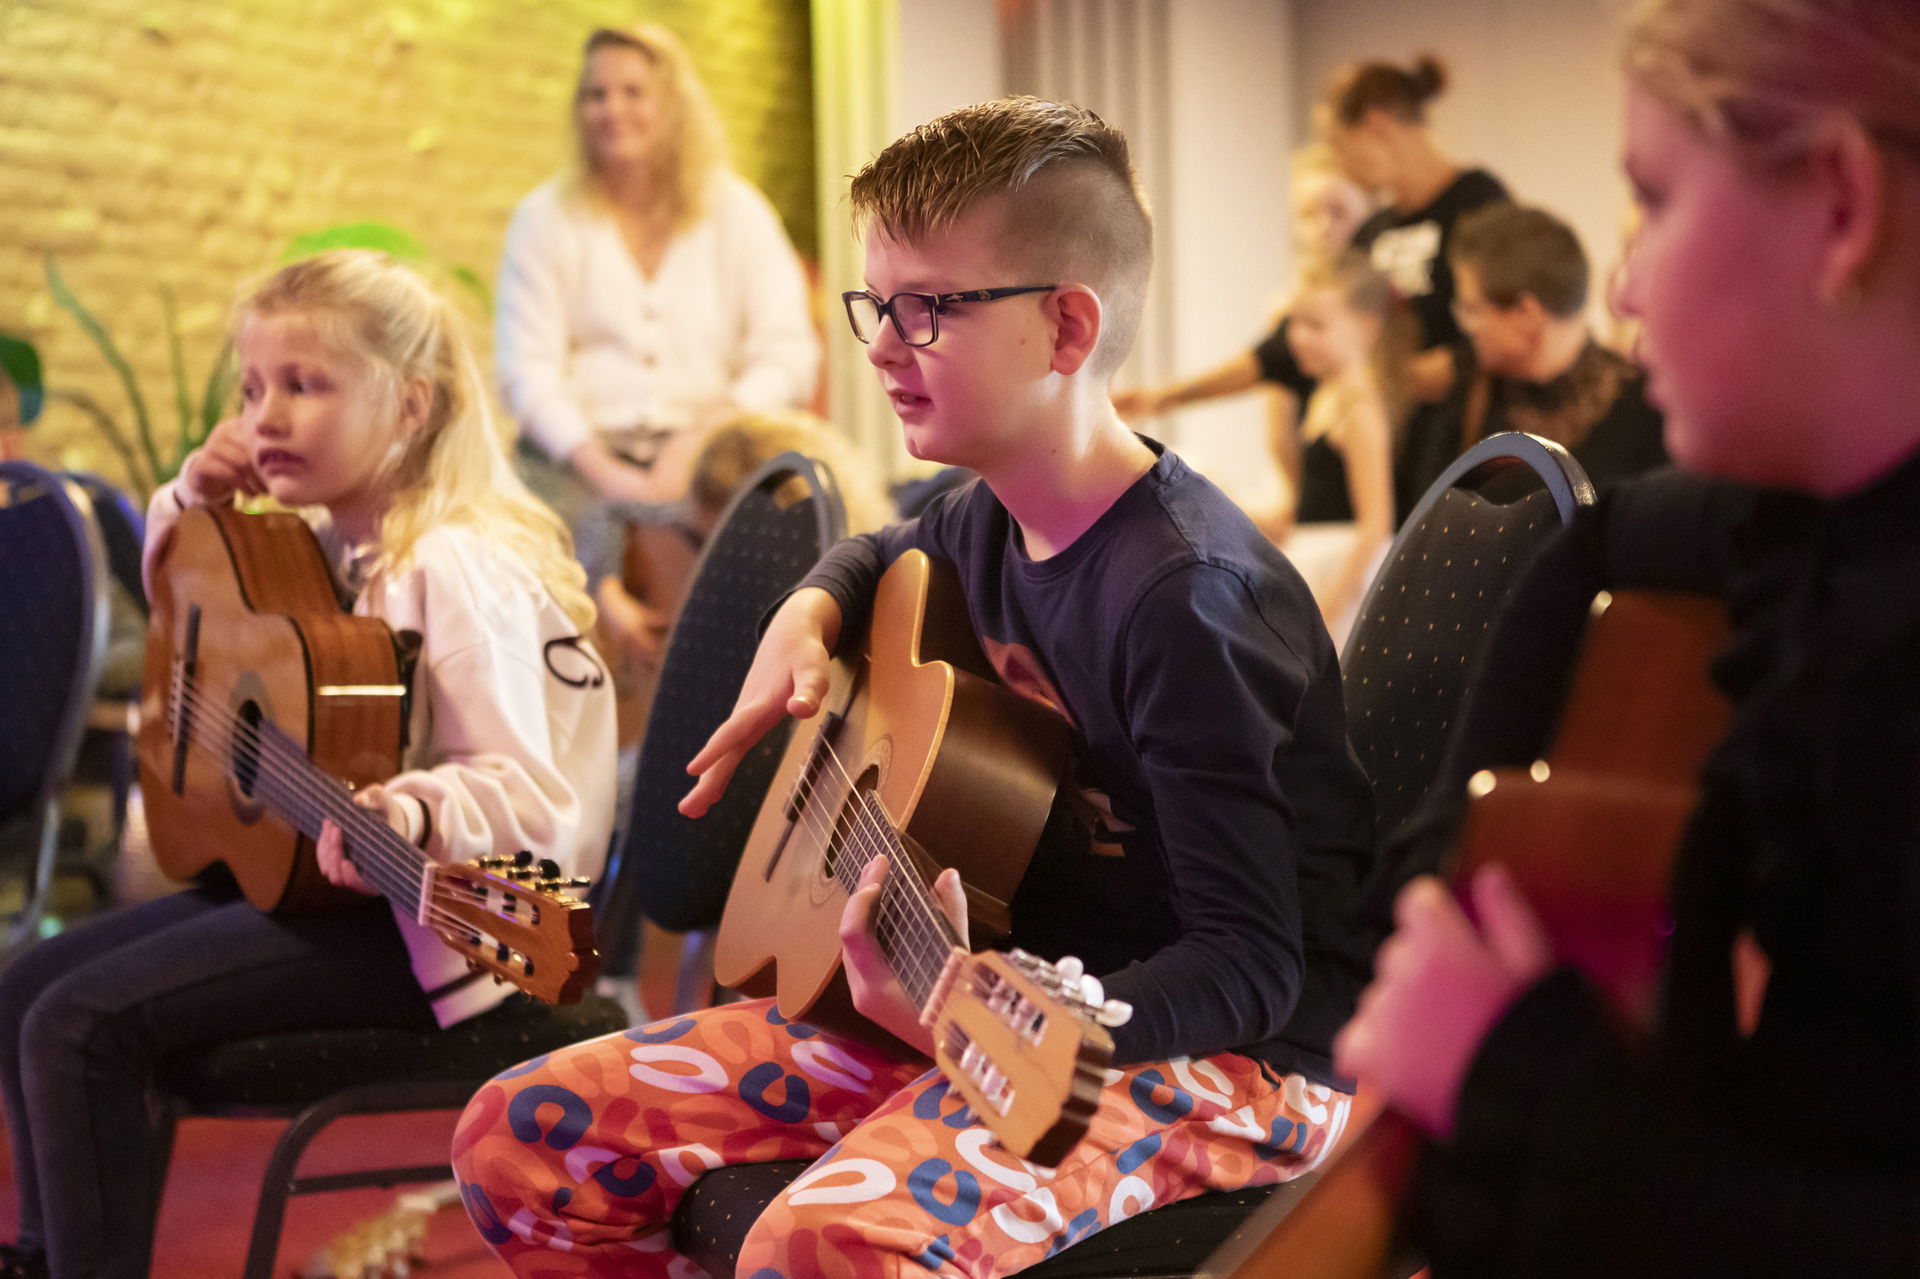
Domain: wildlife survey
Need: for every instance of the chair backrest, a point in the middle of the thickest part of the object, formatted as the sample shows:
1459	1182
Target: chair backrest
123	530
676	870
53	631
1431	608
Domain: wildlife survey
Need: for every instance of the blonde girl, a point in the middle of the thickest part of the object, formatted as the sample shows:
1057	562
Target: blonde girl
361	407
1766	1120
1345	333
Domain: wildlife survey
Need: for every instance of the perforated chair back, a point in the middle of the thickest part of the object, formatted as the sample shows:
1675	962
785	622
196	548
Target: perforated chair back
53	633
671	868
1431	608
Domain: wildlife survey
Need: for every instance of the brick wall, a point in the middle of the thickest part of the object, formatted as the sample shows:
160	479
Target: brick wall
182	144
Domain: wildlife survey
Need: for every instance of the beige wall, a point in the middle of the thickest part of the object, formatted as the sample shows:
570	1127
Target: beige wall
183	143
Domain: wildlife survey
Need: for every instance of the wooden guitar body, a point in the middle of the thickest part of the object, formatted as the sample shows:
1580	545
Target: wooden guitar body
243	607
964	768
1589	835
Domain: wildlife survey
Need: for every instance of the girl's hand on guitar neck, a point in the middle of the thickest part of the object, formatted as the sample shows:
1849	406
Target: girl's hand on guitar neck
331	848
789	676
220	467
1439	985
876	991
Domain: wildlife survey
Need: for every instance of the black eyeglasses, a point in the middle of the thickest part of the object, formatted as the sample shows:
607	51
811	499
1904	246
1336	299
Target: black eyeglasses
916	316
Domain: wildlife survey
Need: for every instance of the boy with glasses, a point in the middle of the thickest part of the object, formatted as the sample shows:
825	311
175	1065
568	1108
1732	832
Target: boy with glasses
1224	822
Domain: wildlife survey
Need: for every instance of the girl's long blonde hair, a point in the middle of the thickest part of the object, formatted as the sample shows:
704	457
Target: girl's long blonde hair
693	147
453	470
1368	292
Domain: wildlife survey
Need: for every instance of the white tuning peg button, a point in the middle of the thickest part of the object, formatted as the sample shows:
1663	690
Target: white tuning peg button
1069	971
1114	1012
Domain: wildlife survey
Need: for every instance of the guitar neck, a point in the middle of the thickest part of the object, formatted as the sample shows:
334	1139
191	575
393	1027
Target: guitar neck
914	935
294	789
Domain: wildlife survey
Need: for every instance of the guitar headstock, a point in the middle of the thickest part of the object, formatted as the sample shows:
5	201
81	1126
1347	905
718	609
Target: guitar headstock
512	917
1022	1046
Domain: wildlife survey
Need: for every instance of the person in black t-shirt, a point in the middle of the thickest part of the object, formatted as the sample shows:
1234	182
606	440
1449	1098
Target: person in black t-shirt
1375	121
1529	361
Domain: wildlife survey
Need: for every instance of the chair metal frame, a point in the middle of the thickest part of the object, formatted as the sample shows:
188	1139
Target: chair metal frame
21	482
681	664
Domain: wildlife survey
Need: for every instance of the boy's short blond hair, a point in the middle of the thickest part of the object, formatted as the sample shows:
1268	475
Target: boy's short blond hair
1061	183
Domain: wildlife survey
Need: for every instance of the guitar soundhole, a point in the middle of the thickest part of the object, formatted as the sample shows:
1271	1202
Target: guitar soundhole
857	838
246	748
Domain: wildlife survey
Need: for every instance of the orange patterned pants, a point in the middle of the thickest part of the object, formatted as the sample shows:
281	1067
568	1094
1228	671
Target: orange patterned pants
571	1164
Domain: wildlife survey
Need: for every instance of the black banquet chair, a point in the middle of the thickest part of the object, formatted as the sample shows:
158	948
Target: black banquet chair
1431	608
1426	618
53	636
670	868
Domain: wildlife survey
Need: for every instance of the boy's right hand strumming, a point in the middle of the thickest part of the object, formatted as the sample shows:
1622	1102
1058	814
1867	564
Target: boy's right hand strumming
219	468
788	677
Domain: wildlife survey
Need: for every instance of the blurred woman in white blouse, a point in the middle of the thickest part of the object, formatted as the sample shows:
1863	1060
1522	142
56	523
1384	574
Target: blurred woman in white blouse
647	295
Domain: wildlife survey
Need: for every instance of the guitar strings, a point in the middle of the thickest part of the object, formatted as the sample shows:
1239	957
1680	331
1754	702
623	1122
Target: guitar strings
906	901
281	763
864	837
301	780
869	832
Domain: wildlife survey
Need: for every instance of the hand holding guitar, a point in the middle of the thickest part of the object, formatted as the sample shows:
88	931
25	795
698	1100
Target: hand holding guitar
788	677
331	847
1439	985
877	992
220	467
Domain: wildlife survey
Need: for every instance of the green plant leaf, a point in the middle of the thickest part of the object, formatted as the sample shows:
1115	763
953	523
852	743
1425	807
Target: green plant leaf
110	431
382	236
474	283
20	361
183	407
91	326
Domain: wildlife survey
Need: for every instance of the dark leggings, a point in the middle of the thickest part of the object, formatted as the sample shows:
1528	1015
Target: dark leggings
89	1017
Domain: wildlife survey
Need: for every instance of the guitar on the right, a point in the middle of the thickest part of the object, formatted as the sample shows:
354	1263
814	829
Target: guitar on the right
1589	834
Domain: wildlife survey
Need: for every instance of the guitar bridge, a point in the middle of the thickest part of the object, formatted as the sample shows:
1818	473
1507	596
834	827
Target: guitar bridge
804	783
186	663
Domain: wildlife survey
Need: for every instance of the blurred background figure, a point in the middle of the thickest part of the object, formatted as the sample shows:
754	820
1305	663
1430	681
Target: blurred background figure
1529	360
647	294
1375	120
1348	334
1327	209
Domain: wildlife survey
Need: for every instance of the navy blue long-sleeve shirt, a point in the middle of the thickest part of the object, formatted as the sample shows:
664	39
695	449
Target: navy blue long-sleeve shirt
1226	823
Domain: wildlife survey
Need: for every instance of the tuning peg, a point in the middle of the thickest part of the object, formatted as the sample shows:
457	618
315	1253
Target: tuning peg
1068	970
523	858
1114	1012
1091	992
550	869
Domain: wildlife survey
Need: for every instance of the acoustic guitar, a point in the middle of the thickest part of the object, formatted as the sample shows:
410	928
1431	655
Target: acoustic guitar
263	704
1589	835
918	754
